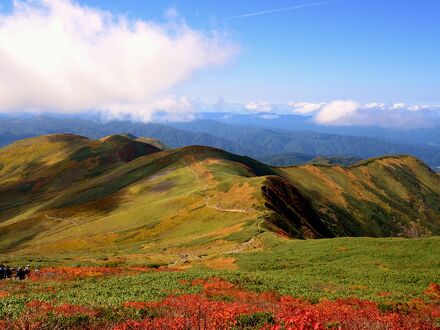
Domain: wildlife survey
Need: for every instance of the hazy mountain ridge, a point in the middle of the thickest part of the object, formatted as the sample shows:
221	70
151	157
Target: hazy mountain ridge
265	142
425	135
257	142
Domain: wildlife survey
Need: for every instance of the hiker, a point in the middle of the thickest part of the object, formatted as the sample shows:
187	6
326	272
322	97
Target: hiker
20	274
17	273
8	272
27	271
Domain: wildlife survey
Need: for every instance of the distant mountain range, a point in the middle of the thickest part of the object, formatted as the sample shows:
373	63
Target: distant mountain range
280	147
425	135
264	143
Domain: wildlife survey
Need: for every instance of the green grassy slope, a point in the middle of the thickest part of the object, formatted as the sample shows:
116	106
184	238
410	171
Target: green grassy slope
64	194
384	269
389	196
374	268
35	169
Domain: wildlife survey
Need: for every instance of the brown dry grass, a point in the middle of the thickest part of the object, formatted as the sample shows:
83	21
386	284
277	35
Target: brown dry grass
221	263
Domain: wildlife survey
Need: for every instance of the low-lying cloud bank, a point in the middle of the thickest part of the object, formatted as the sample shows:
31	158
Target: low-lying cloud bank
349	112
60	56
335	111
352	113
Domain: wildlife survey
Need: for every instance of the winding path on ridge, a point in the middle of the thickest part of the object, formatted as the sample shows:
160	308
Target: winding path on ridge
87	239
62	219
204	184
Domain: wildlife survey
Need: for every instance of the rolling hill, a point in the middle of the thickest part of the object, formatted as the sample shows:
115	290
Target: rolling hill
63	193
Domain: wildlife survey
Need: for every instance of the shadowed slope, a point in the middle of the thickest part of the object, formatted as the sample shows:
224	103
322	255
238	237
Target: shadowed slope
385	196
292	212
33	168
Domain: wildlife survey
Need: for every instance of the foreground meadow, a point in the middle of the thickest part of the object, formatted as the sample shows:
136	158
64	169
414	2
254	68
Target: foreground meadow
344	283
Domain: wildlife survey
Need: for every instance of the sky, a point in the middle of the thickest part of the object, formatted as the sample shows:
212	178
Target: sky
330	59
366	50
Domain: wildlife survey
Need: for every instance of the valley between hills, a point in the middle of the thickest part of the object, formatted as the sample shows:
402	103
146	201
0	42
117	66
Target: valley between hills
130	235
65	193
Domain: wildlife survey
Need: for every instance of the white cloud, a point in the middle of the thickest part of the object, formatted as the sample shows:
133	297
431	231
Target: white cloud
305	108
60	56
400	107
415	108
336	110
167	108
397	106
348	113
375	105
259	106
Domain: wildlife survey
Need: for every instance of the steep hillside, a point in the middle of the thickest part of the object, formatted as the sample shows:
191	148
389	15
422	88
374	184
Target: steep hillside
34	168
65	193
62	194
389	196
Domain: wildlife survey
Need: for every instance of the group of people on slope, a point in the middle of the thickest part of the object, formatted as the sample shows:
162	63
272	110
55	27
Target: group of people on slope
20	273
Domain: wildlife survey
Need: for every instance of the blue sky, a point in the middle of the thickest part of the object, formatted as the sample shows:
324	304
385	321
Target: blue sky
368	50
343	62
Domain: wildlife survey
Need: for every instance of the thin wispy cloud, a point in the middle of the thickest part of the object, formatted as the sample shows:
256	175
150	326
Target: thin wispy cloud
277	10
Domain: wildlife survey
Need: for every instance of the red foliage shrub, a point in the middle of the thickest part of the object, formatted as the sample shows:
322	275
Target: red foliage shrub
190	312
201	312
222	305
349	314
4	294
38	308
433	291
156	323
72	310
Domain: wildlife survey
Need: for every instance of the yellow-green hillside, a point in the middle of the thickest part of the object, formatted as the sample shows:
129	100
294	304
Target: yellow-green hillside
388	196
65	194
74	194
34	169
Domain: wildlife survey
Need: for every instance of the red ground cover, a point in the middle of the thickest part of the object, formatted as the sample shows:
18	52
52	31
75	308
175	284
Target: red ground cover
205	311
223	305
